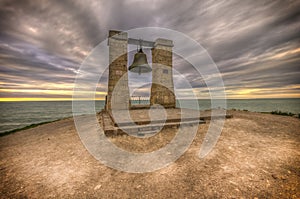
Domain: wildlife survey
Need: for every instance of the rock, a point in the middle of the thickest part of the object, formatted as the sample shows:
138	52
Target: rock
97	187
283	177
275	176
139	186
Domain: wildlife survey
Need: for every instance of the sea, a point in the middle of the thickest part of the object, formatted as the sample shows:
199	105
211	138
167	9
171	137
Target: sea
16	115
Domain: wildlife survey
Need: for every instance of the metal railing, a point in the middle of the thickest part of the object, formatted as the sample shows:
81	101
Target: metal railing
135	100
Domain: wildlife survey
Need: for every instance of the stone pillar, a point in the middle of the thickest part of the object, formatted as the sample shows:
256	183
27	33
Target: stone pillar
118	91
162	89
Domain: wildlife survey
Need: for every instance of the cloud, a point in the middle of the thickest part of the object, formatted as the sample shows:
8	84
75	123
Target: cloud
254	43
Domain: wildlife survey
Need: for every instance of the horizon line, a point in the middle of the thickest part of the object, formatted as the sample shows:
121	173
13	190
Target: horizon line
102	99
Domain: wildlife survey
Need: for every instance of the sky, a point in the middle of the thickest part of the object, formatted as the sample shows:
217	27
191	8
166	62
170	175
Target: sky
255	44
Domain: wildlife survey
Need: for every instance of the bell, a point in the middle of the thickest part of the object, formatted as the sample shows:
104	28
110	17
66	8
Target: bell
140	63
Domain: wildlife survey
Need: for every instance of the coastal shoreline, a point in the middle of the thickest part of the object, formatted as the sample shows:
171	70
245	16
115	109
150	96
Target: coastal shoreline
26	127
33	125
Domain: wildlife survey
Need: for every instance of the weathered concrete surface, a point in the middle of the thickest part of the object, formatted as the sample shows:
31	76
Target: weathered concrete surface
140	119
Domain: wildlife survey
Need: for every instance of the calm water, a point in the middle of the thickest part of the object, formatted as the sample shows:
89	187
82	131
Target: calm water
15	115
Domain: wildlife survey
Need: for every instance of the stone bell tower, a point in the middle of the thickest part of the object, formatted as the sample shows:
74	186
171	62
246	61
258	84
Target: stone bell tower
118	90
162	89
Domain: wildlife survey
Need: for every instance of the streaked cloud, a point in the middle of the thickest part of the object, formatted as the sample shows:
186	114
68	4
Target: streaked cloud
255	44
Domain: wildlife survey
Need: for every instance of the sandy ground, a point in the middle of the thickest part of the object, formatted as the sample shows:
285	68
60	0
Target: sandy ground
257	156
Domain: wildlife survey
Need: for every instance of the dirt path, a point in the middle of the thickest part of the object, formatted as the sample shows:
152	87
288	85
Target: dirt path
257	156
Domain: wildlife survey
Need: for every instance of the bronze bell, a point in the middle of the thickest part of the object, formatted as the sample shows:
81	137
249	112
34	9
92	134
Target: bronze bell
140	63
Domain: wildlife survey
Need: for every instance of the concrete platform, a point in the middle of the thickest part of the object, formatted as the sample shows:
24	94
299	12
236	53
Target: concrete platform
147	121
